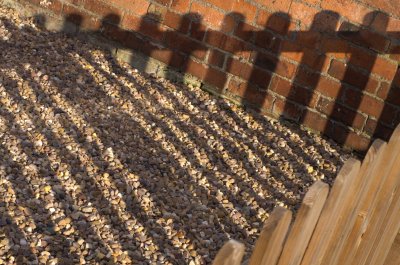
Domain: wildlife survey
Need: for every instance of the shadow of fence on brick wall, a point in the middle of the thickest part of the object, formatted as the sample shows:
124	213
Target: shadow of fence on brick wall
329	80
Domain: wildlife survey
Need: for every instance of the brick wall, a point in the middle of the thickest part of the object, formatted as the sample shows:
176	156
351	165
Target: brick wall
331	65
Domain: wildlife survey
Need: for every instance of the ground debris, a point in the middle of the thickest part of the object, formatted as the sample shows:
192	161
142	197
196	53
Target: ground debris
101	164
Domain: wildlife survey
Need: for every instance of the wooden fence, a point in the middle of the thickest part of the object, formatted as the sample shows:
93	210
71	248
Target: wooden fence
355	223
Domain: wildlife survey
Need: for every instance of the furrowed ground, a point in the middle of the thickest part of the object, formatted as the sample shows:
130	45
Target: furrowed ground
100	164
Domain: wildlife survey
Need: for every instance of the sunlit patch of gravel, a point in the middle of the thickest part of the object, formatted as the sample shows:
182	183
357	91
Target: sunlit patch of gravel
101	164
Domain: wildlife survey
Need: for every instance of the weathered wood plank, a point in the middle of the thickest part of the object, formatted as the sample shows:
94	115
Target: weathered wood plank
381	203
370	168
304	225
328	221
269	245
387	232
230	254
393	258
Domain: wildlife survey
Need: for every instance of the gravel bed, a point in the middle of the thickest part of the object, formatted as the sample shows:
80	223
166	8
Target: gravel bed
103	165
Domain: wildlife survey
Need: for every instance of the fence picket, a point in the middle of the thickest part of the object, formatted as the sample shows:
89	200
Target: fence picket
381	203
386	236
370	169
270	243
325	227
304	225
231	253
393	258
356	194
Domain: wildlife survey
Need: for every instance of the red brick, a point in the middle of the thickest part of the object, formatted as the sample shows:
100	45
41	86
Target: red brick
351	76
287	109
245	31
273	64
196	69
383	23
309	39
340	113
215	38
291	50
394	51
245	8
132	41
100	8
305	56
239	68
388	6
229	23
162	55
278	23
226	5
328	87
326	21
384	68
383	90
177	22
282	5
180	6
334	47
362	102
156	12
210	16
295	93
307	78
237	87
252	95
82	19
144	26
215	77
390	115
131	22
352	10
172	59
186	45
304	13
363	37
316	61
252	74
113	32
197	31
373	63
228	43
264	39
314	121
260	77
357	142
138	7
216	58
390	94
375	129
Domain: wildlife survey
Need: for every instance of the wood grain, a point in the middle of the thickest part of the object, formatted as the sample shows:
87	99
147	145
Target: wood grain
304	225
269	245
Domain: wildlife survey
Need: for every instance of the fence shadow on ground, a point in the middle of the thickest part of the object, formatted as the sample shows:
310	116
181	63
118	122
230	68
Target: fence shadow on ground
187	172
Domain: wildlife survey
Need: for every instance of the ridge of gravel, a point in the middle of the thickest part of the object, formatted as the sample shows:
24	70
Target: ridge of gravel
101	164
